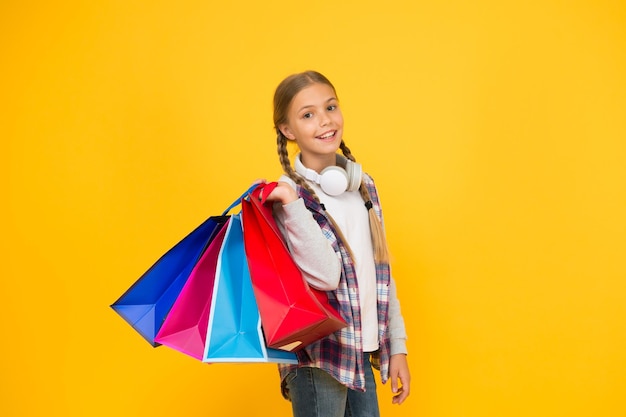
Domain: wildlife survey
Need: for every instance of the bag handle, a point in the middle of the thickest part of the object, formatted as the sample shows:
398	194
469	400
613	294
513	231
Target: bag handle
258	199
261	191
264	191
238	200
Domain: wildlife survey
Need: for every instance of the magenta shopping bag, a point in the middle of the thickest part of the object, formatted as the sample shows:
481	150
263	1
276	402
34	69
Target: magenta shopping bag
185	327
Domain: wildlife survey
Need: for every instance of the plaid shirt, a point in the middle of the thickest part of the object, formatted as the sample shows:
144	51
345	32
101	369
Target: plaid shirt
339	354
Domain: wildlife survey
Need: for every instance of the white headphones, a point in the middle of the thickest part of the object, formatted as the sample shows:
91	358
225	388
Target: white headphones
335	179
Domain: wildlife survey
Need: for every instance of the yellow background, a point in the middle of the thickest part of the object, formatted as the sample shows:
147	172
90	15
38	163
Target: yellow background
496	132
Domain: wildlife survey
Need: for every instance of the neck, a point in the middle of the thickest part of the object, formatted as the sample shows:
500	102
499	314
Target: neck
318	162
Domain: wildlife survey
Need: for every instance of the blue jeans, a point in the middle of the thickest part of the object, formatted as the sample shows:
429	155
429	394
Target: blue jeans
314	393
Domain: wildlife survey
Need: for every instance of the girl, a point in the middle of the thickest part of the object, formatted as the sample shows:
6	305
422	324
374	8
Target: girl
329	213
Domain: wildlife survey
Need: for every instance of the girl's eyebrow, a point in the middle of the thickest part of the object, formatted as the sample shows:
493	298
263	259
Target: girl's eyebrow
311	105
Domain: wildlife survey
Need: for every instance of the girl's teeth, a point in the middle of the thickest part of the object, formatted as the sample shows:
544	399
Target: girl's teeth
328	135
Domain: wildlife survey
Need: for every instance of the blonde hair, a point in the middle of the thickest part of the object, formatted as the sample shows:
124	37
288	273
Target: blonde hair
283	96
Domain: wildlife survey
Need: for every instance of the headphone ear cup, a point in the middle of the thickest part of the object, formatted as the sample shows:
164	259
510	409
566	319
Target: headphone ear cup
334	180
354	175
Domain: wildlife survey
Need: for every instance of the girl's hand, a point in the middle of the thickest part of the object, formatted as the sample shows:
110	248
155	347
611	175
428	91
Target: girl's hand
399	371
283	193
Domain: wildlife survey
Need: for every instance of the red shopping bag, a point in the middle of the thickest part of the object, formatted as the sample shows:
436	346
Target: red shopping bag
293	314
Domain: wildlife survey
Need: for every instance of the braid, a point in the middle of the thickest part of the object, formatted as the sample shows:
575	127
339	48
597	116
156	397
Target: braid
348	154
283	155
379	241
346	151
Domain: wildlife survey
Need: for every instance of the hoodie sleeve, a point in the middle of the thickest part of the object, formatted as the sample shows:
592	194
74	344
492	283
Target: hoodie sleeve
312	252
397	330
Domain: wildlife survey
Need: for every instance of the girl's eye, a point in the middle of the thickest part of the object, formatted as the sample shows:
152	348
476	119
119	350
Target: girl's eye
307	115
331	107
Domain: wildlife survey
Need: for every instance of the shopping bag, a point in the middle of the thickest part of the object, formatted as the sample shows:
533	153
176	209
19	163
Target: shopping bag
185	327
234	331
293	314
146	303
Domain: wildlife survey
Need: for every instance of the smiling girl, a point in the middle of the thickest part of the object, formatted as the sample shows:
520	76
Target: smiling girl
329	213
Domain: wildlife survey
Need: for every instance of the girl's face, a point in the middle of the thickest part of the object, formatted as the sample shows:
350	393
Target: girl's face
316	124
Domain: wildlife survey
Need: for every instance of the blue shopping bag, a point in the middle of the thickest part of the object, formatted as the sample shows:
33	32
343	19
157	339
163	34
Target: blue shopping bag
148	301
234	331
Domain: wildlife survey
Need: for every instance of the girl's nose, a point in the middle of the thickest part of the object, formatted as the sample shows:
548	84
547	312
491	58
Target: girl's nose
324	119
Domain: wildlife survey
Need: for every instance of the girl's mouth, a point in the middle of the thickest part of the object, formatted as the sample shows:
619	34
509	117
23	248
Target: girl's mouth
327	135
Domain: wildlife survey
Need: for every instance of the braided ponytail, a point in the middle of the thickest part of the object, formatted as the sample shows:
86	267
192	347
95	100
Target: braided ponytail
379	241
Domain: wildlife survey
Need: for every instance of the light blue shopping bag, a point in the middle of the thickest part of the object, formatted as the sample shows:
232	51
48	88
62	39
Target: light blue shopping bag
234	332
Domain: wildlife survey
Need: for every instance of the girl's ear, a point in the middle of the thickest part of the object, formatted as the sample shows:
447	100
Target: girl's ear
284	128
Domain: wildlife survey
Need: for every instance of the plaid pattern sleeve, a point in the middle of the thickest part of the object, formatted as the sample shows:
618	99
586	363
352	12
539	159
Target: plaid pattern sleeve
339	353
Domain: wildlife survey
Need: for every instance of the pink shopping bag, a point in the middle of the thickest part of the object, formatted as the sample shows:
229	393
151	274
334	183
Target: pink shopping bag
185	327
